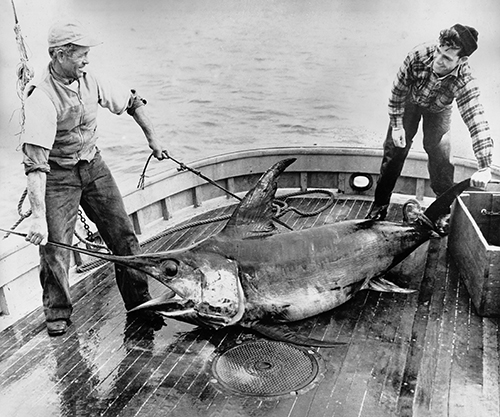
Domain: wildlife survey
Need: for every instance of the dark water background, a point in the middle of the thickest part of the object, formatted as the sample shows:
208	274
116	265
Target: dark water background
224	75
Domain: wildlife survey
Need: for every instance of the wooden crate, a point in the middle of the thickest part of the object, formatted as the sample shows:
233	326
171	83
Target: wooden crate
474	244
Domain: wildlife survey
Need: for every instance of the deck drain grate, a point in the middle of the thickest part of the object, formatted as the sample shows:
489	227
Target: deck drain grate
266	369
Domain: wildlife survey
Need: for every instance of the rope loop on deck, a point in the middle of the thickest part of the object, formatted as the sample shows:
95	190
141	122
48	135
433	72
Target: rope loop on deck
282	206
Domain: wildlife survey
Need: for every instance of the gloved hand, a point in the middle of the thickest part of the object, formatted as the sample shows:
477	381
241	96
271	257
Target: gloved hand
481	178
398	137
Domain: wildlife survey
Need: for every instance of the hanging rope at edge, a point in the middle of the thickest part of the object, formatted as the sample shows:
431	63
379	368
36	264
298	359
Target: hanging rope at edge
25	74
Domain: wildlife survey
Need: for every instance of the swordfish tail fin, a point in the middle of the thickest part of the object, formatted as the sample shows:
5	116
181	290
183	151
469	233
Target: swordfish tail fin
443	203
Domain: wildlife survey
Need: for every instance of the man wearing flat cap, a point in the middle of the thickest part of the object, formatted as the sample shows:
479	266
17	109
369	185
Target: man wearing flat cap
65	170
432	76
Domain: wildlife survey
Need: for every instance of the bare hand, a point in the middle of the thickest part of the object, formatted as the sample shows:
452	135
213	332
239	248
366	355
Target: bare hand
481	178
398	137
38	232
158	151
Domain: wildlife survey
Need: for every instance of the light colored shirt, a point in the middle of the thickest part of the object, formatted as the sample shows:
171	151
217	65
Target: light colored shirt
62	118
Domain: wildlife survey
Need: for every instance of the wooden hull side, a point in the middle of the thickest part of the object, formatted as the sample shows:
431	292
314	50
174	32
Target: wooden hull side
478	261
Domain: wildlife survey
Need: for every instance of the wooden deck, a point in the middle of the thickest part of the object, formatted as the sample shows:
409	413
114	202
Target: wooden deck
421	354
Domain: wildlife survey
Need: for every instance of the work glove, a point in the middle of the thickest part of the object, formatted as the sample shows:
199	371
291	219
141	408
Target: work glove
398	137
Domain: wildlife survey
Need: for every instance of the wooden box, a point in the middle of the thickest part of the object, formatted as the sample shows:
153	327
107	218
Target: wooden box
474	243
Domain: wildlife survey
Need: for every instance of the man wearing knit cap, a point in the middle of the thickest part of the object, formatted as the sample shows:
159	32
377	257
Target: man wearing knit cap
431	78
64	168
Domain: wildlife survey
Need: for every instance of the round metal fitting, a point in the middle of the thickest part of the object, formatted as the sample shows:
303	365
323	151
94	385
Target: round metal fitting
360	182
266	369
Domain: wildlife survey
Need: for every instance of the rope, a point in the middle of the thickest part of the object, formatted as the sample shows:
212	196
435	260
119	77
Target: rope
22	215
284	208
142	178
25	72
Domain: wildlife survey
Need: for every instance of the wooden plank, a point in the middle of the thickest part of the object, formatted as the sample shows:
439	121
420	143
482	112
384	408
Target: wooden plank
29	353
437	280
491	290
440	392
415	353
491	366
420	189
469	252
493	236
166	208
466	368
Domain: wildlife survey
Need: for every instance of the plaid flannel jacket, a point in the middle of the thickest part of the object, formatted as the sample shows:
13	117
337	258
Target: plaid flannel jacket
416	82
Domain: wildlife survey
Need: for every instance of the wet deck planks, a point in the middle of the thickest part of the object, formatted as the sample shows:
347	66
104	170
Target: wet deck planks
423	354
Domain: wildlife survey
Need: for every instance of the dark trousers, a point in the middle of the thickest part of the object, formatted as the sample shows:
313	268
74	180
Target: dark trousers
91	185
436	127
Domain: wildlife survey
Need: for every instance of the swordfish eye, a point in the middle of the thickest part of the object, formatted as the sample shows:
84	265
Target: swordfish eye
170	267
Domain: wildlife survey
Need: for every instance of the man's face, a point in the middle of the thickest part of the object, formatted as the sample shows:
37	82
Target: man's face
446	60
72	65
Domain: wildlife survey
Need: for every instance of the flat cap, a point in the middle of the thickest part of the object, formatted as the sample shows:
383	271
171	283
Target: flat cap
65	32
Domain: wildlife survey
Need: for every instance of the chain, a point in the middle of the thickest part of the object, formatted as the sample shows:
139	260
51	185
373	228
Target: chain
90	236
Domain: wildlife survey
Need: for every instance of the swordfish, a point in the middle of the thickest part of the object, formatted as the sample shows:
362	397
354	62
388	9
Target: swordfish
253	275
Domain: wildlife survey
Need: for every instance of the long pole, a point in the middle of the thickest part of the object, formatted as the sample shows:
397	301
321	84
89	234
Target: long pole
196	172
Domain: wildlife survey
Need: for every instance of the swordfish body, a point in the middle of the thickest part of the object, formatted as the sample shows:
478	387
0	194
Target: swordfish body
251	275
295	275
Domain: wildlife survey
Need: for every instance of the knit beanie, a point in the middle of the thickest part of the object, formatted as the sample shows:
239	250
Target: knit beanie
468	38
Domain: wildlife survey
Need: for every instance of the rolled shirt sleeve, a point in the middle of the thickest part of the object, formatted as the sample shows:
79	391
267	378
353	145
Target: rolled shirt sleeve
35	158
113	95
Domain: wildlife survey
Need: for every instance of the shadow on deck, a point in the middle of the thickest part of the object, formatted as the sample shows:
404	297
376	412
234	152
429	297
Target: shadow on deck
426	353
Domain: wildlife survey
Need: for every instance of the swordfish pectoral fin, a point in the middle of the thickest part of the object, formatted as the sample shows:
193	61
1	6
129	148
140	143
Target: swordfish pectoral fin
383	285
283	334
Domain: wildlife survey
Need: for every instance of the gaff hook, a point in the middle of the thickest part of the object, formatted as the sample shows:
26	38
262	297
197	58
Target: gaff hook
184	167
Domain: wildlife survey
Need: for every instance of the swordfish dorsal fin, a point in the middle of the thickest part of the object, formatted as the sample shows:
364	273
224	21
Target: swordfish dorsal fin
253	216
